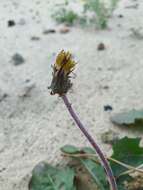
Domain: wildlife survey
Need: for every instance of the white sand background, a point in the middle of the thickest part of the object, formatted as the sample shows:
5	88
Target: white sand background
34	128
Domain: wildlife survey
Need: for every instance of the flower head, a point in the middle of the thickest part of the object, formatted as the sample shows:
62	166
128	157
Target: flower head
62	68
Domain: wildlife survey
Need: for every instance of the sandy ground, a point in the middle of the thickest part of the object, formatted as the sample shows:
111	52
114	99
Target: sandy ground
34	127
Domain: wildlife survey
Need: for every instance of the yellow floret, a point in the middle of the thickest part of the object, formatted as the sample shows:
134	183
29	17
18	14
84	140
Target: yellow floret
64	60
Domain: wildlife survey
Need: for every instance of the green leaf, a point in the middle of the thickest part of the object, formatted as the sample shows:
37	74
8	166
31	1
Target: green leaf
88	150
69	149
131	118
95	170
128	151
46	177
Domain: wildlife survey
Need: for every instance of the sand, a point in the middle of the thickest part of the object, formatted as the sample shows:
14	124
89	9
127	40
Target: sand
34	124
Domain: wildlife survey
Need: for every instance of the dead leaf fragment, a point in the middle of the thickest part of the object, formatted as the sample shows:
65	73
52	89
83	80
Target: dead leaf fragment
64	30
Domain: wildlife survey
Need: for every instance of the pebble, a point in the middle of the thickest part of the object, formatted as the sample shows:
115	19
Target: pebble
108	108
17	59
49	31
35	38
11	23
3	96
101	46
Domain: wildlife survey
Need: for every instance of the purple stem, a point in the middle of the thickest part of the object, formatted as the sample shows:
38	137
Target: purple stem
104	161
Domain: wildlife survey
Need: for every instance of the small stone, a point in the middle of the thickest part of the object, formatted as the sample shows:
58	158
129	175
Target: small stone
49	31
17	59
106	87
120	16
35	38
11	23
101	46
3	96
108	108
2	169
27	80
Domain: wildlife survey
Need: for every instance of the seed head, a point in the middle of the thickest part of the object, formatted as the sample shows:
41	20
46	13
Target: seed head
62	68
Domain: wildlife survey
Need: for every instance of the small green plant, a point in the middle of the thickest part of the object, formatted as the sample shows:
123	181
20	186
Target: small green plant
99	10
65	16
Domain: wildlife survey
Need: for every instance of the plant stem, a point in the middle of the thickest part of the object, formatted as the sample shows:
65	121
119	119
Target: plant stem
129	167
131	170
104	161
